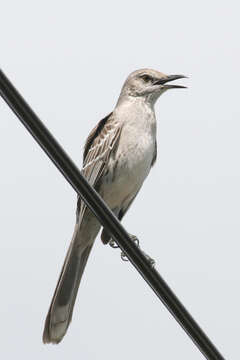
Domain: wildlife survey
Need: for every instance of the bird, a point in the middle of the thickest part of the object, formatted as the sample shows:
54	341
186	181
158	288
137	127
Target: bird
118	156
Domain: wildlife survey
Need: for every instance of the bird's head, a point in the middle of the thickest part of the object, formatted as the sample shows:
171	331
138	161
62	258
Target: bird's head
149	84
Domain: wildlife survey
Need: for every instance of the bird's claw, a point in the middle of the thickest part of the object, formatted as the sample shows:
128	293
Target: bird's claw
136	241
113	244
124	257
151	261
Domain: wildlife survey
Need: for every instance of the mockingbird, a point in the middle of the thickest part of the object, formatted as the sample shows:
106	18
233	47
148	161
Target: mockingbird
118	155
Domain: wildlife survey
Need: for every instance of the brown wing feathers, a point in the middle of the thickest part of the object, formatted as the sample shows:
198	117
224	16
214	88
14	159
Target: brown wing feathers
97	150
93	135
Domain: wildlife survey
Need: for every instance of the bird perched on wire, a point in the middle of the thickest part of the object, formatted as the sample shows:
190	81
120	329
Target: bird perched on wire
118	155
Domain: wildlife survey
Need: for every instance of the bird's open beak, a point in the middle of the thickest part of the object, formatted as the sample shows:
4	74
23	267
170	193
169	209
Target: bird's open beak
169	78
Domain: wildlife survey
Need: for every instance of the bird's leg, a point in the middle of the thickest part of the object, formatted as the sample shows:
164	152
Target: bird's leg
136	241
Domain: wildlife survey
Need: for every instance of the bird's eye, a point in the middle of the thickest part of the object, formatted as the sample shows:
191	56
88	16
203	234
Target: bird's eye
147	78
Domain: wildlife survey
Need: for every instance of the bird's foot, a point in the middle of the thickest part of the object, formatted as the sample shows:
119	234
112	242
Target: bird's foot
136	241
113	244
151	261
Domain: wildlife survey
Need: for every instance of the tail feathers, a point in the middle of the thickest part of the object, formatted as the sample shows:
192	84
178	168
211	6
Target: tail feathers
61	309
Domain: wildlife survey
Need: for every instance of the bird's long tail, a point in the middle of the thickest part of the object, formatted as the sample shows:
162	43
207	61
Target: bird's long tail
60	312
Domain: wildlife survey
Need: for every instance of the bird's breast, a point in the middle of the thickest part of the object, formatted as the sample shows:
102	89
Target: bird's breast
132	161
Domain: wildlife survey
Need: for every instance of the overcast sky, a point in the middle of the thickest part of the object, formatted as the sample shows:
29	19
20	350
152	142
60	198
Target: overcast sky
69	60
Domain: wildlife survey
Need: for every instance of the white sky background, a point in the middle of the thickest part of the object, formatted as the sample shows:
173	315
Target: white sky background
69	61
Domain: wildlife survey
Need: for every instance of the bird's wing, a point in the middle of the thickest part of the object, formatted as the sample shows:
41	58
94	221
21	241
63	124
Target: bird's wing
100	143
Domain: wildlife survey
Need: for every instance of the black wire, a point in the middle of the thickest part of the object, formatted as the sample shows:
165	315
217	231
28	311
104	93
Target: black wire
70	171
